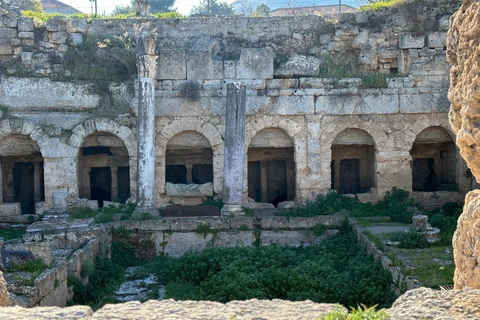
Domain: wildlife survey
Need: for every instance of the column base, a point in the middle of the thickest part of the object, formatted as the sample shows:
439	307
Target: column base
139	211
229	210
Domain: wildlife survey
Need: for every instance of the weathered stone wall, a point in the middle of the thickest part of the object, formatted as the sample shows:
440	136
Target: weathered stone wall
174	237
279	61
463	52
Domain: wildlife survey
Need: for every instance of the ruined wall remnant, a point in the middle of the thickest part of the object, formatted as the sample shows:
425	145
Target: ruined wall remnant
464	52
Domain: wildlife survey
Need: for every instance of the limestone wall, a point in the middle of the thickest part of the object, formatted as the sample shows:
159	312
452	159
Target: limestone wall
174	237
463	52
279	60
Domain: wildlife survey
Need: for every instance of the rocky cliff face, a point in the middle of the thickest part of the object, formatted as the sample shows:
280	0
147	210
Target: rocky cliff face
3	291
464	53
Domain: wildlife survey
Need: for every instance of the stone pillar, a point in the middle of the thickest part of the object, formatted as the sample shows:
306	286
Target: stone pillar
114	183
189	173
263	182
147	71
234	150
36	182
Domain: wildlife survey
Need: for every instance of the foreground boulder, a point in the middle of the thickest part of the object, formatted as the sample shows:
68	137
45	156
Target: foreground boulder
425	303
463	51
3	291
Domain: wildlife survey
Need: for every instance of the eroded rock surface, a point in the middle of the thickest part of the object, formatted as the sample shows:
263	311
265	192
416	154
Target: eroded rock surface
425	303
464	52
3	291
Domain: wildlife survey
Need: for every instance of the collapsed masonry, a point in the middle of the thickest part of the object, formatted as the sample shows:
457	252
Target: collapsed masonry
306	131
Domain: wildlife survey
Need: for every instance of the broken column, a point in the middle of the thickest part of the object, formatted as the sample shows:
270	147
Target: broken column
147	71
234	150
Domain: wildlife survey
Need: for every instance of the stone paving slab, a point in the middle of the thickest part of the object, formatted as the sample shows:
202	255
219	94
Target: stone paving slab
387	229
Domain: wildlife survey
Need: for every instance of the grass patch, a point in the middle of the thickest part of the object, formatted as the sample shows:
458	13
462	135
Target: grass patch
410	240
11	234
35	266
213	201
105	214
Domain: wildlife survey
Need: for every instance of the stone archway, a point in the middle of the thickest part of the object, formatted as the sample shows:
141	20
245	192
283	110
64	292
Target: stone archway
103	168
189	159
434	161
271	166
353	162
22	172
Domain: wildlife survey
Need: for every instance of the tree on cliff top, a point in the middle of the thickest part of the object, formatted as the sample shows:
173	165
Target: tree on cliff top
213	7
262	10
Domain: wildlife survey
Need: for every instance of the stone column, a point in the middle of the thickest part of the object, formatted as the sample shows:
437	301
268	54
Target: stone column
114	183
147	71
234	150
36	182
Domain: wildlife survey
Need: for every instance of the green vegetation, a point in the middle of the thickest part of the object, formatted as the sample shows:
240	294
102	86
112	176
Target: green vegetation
104	278
376	5
11	234
394	204
446	220
43	16
105	214
410	240
337	270
35	266
361	313
213	201
102	58
335	72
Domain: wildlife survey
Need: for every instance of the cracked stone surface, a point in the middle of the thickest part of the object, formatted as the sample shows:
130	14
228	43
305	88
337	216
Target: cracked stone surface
463	52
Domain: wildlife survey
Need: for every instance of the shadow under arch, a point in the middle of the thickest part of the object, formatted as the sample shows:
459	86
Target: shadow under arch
271	166
353	162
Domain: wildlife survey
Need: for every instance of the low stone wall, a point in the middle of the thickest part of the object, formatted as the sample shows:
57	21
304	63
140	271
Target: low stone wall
400	282
422	303
63	245
174	237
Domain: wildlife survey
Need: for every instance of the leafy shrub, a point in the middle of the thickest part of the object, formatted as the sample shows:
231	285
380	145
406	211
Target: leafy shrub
356	314
104	280
410	240
337	270
11	234
123	255
102	58
446	220
88	268
213	201
379	5
395	204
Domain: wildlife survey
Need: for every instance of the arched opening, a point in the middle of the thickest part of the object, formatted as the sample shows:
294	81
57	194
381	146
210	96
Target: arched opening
271	167
22	172
434	161
103	170
353	162
189	159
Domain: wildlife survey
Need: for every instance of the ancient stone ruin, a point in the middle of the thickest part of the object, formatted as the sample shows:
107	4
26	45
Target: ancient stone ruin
382	124
254	112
